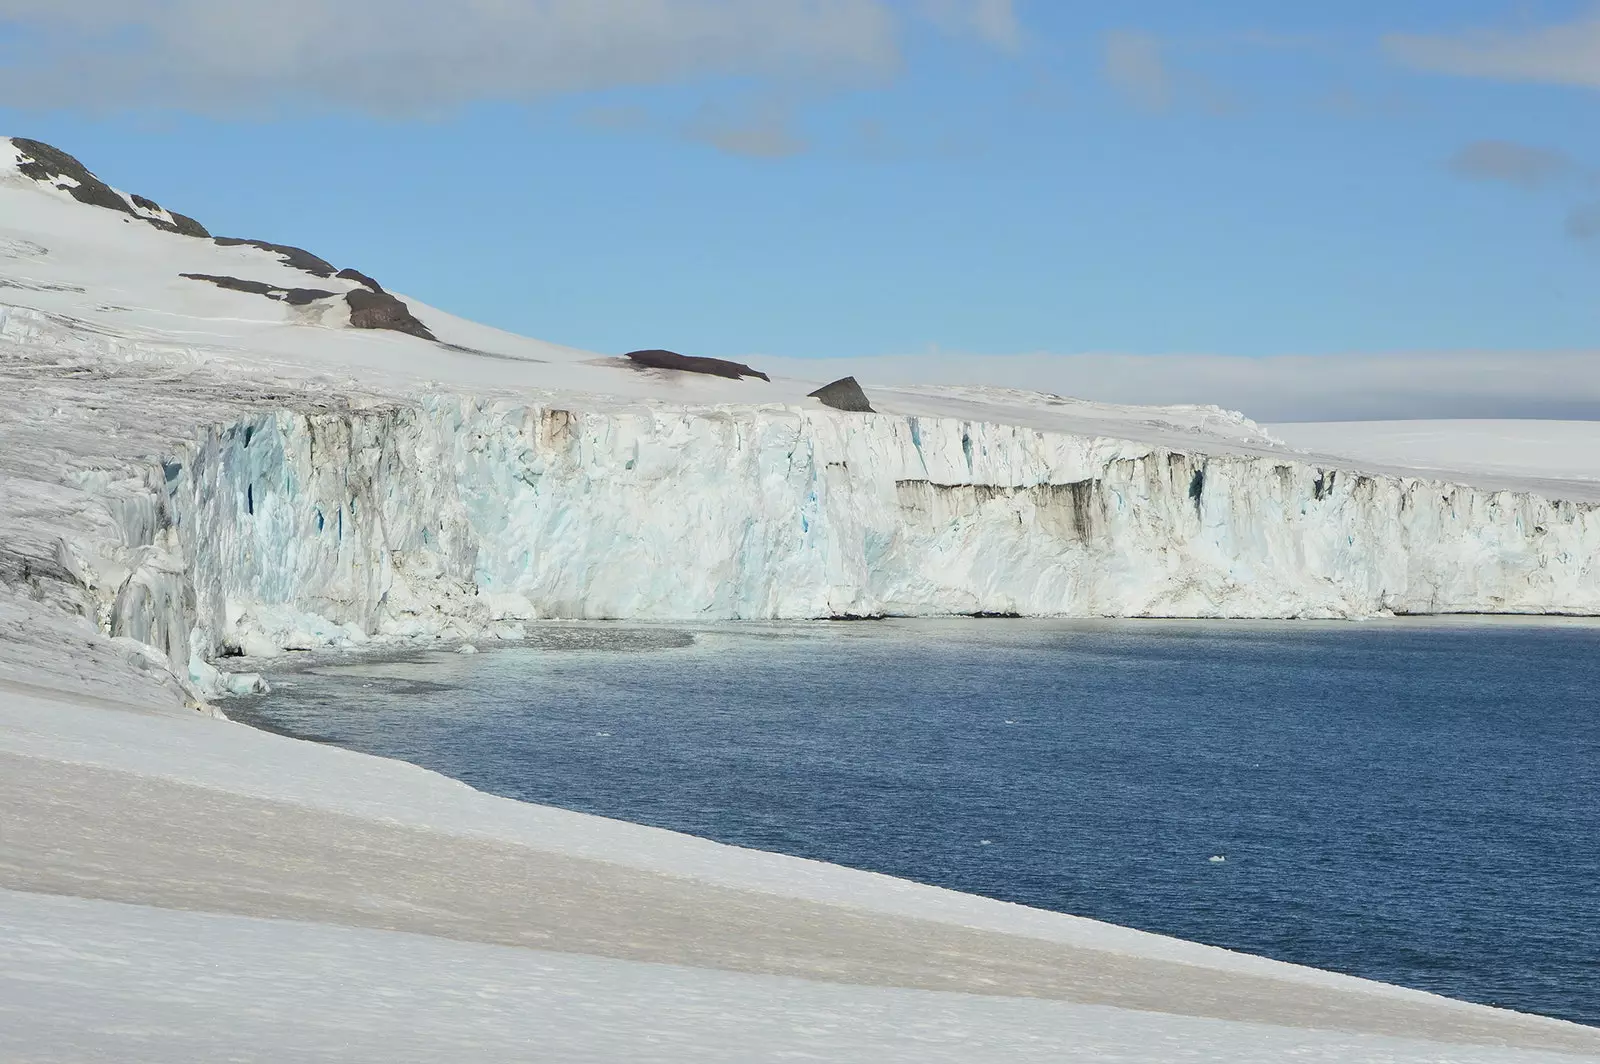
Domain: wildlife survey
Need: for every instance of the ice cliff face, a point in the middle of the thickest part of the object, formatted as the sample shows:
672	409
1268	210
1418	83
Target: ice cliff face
198	514
464	517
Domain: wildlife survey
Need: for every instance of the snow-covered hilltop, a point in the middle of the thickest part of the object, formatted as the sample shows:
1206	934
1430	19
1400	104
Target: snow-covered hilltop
219	445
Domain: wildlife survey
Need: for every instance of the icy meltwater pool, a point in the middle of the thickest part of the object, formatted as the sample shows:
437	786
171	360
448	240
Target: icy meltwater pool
1412	802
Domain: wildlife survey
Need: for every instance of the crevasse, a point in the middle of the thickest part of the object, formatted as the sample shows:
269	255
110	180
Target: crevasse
464	517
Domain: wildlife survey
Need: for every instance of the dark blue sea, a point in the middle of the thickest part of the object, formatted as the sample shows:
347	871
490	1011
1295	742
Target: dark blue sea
1416	802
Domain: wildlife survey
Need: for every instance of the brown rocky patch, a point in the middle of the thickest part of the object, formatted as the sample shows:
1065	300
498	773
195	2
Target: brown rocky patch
297	258
295	297
379	310
844	394
716	367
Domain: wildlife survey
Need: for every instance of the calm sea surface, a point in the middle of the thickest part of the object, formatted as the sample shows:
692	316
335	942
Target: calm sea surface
1412	802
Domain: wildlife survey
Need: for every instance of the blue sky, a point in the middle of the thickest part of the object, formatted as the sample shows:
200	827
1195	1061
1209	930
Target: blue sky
862	177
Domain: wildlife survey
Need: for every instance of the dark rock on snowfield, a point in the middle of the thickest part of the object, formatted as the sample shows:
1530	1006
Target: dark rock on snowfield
380	310
716	367
187	226
51	165
844	394
359	278
296	297
48	164
297	258
181	223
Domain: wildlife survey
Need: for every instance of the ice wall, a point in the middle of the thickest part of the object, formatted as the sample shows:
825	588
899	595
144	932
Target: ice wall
465	517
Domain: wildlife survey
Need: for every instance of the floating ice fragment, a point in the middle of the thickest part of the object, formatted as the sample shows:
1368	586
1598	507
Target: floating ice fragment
1218	858
467	648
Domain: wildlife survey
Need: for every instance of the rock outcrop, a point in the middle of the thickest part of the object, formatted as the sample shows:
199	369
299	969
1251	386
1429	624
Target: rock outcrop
716	367
293	257
844	394
52	166
370	306
296	297
378	309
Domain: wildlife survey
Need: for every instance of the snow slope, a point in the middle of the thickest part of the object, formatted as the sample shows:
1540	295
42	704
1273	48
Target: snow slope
187	471
1566	452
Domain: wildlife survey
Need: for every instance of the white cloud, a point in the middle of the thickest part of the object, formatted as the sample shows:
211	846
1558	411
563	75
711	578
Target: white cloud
407	56
1563	54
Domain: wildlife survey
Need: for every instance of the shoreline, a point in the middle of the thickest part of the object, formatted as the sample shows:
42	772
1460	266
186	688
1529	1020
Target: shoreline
211	781
416	661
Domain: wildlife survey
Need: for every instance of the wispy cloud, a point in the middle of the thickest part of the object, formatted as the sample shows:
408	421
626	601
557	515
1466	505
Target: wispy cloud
1136	66
994	21
764	129
617	118
1533	168
422	56
1583	222
1141	67
1567	53
1513	163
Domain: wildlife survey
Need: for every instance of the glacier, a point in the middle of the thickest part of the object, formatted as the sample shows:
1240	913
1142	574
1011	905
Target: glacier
198	473
461	513
458	517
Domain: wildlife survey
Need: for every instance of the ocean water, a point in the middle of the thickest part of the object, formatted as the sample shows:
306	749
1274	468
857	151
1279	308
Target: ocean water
1412	802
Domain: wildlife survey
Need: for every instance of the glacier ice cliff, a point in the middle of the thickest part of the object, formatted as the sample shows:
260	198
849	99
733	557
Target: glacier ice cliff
323	524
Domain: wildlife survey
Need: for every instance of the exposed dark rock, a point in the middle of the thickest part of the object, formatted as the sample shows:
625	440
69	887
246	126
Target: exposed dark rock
296	297
47	164
50	165
299	297
298	258
380	310
716	367
181	223
844	394
232	284
188	226
360	278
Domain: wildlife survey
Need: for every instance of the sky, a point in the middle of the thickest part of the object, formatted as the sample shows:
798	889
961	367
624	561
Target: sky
849	178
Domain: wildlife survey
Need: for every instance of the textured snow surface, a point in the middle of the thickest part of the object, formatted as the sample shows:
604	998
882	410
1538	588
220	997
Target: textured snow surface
100	981
187	472
1472	450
